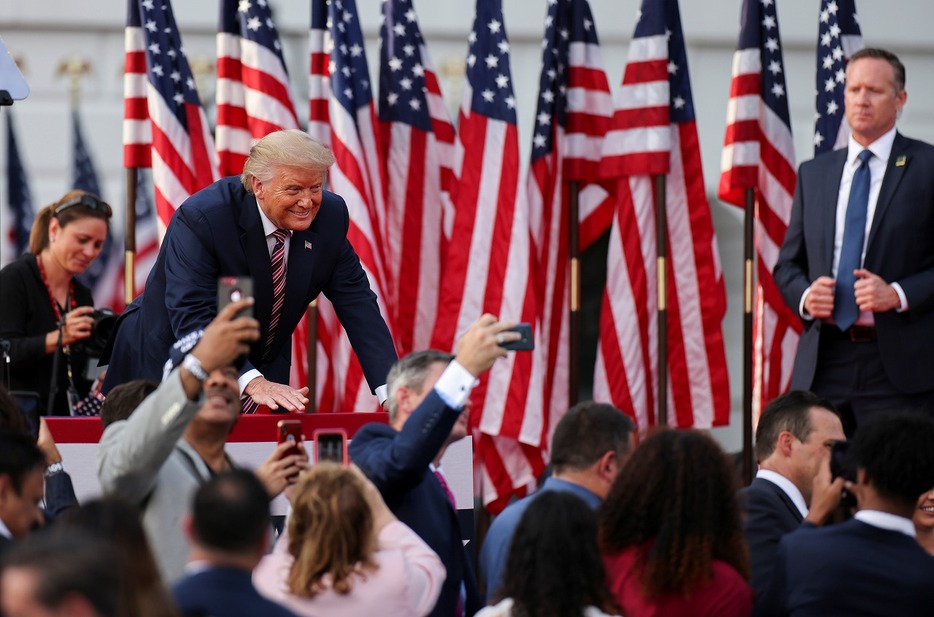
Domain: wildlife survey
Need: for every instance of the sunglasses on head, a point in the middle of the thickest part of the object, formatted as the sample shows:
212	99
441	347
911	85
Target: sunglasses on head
88	201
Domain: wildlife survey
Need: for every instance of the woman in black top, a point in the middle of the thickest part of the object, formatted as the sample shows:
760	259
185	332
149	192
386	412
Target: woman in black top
43	309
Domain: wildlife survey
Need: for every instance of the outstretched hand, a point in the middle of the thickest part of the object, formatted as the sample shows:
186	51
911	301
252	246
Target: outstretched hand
479	347
275	395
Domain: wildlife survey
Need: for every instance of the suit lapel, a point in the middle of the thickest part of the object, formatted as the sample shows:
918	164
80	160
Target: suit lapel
253	241
894	172
827	205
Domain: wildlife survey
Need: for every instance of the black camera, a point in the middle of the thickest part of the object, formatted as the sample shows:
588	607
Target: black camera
93	346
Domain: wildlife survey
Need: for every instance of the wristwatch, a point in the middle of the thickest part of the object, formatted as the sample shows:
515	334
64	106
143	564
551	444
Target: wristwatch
193	366
53	469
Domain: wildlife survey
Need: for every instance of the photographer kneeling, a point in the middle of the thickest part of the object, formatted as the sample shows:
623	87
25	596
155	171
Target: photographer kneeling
46	314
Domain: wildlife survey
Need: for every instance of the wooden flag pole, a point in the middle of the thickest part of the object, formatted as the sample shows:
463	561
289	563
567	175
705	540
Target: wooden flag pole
312	356
748	302
574	290
661	275
129	265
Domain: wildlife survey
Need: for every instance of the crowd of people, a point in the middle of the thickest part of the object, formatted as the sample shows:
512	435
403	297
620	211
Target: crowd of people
839	519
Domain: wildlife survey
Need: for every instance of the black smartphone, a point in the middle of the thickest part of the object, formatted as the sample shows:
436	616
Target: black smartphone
840	463
331	446
232	289
526	343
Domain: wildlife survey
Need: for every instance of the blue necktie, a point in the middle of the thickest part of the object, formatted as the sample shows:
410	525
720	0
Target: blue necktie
845	311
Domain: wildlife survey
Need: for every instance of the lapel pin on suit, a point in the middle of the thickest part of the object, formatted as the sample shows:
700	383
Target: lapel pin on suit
901	160
307	245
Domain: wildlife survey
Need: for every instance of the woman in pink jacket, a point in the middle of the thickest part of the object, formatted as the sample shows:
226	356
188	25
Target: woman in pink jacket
345	553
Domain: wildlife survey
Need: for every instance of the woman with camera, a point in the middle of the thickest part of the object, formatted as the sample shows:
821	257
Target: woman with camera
45	312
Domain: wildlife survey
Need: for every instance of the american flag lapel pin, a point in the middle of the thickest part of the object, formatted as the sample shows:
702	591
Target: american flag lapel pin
307	245
901	160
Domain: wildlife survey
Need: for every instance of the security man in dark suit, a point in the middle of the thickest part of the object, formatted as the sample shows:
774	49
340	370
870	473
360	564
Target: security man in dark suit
793	484
276	212
871	565
857	262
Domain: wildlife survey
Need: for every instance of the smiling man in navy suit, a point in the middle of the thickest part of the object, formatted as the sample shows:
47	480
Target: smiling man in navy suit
238	227
857	263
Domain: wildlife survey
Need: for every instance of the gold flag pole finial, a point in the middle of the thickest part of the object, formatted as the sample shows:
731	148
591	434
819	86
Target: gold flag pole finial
74	68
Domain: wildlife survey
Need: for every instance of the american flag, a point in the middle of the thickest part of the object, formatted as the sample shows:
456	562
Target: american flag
343	116
574	112
252	94
418	147
838	38
655	133
104	273
489	270
758	153
164	125
19	215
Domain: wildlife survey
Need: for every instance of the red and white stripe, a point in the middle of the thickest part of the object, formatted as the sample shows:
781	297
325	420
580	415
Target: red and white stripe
574	157
645	142
758	153
490	271
419	178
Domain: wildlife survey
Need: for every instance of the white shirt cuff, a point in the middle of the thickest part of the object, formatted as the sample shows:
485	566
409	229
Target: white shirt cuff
901	298
382	393
247	378
455	385
803	313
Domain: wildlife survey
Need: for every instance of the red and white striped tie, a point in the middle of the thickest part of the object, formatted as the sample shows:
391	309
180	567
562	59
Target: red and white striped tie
278	287
278	299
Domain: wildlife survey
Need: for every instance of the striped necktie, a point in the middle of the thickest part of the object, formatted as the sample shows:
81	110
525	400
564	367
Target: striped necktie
278	299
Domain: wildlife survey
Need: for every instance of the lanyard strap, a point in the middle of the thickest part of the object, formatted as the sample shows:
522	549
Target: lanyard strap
71	292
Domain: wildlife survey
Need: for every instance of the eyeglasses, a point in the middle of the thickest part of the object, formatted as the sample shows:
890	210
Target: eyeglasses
88	201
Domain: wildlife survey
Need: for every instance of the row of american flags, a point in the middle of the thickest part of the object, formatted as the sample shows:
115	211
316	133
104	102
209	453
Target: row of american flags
449	224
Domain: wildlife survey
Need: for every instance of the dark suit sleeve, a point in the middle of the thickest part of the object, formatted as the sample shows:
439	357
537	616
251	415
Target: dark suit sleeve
191	272
791	268
396	464
763	528
772	602
356	305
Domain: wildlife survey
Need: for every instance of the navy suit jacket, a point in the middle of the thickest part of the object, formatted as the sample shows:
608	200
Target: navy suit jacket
223	592
850	569
218	232
899	249
397	463
769	515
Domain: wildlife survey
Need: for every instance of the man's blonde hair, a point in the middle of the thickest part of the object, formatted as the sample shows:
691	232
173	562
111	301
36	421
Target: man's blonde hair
289	148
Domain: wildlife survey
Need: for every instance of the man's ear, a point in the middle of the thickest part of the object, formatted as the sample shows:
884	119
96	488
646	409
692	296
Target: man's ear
608	466
257	187
785	442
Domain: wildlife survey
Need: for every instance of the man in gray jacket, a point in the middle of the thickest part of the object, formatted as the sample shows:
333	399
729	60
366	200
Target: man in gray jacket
174	439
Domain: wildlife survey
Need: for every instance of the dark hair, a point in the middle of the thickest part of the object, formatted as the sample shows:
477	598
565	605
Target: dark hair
115	519
883	54
675	502
10	416
73	205
411	371
19	455
70	564
123	400
588	431
789	412
230	512
554	568
895	451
